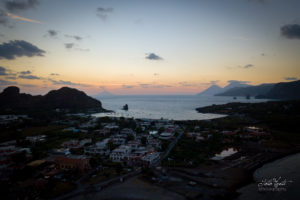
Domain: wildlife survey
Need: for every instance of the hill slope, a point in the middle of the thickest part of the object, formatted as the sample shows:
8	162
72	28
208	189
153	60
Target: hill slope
11	100
284	90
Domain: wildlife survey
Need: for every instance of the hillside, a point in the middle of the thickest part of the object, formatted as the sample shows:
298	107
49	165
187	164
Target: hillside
11	100
215	89
250	90
283	90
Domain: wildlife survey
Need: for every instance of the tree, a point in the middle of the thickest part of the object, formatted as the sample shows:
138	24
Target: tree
144	141
110	145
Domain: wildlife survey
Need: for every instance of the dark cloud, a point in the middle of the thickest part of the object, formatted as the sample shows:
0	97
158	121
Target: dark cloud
263	54
7	73
248	66
104	12
61	82
19	5
291	78
54	74
290	31
18	48
127	86
4	82
3	71
3	19
76	37
153	56
11	77
31	77
25	72
69	45
52	33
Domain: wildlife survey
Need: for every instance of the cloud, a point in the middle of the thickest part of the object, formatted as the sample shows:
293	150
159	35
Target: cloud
11	77
235	81
7	73
80	49
145	85
248	66
127	86
214	82
3	71
61	82
4	82
153	85
25	72
1	35
153	56
102	13
263	54
27	85
18	48
54	74
3	19
51	33
13	16
69	45
19	5
290	31
161	86
76	37
155	74
291	78
187	84
31	77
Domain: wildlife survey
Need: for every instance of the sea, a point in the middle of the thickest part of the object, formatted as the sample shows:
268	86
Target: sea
171	107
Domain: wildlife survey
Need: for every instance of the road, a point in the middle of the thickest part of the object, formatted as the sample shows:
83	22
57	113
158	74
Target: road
171	146
81	188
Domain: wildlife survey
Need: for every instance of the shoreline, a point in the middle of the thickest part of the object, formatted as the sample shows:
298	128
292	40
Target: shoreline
260	165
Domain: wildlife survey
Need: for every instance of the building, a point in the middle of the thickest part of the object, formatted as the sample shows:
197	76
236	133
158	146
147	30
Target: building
166	136
253	131
150	159
154	143
73	162
119	154
100	148
76	143
119	139
35	139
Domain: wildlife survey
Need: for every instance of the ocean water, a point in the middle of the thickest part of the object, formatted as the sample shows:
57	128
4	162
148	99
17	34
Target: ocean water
176	107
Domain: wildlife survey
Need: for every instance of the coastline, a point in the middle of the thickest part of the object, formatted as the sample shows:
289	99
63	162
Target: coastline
251	184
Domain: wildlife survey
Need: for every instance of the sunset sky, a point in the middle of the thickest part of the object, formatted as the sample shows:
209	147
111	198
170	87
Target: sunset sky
147	47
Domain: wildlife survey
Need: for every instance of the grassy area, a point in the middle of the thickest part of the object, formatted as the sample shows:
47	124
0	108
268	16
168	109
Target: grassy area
189	153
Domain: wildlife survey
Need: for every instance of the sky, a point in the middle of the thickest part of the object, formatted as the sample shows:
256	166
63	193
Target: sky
147	47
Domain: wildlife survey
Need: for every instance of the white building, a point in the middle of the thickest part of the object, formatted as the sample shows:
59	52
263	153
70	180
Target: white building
35	139
118	154
166	135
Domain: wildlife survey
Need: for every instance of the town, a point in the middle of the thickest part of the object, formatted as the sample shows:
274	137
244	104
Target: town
74	154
